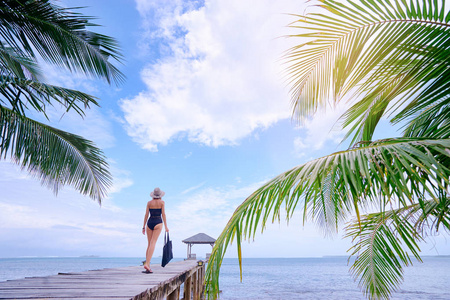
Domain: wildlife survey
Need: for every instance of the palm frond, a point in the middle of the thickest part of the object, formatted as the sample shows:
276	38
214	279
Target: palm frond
408	96
15	65
380	240
434	216
54	156
331	188
361	49
431	121
384	242
25	94
427	113
60	36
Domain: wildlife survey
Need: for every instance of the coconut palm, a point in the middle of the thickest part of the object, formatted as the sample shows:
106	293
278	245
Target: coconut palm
29	31
390	59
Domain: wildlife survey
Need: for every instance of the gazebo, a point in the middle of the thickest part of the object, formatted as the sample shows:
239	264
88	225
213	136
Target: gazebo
199	238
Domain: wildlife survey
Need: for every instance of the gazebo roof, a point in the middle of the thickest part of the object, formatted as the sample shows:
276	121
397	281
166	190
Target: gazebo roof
199	238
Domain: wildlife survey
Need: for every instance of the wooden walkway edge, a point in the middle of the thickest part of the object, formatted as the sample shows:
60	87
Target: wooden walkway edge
116	283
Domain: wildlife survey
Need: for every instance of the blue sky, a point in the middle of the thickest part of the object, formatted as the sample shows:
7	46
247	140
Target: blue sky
204	115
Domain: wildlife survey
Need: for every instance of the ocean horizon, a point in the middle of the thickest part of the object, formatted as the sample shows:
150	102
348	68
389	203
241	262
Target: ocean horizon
325	277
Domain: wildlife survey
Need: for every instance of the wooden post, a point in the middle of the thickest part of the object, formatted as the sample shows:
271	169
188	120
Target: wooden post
195	279
202	280
175	295
188	288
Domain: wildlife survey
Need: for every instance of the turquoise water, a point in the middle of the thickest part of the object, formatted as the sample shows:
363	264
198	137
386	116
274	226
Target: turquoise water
17	268
264	278
325	278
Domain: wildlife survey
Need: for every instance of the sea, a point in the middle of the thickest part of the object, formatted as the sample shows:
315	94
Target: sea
264	278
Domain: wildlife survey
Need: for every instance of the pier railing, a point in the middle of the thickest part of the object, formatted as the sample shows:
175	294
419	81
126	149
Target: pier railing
192	281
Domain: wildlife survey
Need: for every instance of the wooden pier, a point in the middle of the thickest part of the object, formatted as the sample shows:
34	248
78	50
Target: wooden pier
117	283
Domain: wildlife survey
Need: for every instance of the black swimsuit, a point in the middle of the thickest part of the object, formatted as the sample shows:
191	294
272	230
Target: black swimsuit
155	218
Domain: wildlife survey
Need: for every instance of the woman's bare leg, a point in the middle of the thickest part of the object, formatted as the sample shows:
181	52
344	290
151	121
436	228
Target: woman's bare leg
149	238
152	237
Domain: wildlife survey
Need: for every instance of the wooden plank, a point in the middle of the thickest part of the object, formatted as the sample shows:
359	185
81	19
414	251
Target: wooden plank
70	292
117	283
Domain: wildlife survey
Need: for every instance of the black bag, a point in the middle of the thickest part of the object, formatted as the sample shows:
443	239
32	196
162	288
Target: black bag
167	250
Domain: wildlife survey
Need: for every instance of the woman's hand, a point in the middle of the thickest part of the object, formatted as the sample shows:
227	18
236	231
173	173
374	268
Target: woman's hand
143	230
167	229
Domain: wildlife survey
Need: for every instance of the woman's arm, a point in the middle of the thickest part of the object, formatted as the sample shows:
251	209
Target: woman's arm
163	214
145	218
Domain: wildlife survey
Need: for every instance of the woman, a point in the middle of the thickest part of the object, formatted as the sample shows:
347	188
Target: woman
154	224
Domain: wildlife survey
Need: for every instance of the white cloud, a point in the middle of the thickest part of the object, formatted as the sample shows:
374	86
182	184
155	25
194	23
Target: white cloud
319	129
62	77
207	210
220	80
93	125
70	222
14	215
193	188
10	171
73	225
121	178
299	144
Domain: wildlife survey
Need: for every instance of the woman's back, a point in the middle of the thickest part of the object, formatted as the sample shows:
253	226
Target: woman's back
155	203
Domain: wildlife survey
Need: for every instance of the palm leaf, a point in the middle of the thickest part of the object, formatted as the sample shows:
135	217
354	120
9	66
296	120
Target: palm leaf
38	95
17	65
383	239
56	157
432	121
380	240
33	29
331	188
60	36
360	49
421	84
